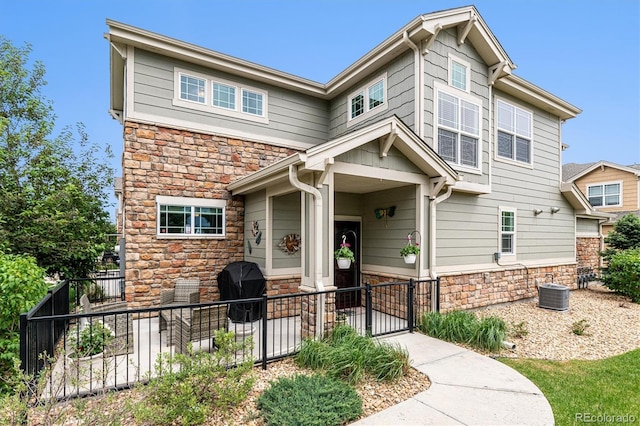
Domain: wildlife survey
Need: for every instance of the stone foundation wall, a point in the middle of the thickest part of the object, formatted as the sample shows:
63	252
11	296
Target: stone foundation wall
285	307
170	162
588	252
469	291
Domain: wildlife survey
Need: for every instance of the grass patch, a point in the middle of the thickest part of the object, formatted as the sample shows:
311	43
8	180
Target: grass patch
573	388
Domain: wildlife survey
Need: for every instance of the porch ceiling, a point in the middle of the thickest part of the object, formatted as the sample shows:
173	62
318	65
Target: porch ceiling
363	185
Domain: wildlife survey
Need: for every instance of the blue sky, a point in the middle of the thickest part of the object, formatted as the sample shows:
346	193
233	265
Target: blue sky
586	52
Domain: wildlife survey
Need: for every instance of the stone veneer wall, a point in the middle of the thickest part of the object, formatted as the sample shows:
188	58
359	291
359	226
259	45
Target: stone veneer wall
170	162
468	291
588	252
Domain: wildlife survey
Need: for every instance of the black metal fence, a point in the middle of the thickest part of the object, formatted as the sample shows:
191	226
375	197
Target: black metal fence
276	325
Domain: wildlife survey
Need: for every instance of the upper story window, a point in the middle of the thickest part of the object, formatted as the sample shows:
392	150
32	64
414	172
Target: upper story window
514	133
605	195
459	73
458	131
507	231
368	100
214	95
192	88
190	217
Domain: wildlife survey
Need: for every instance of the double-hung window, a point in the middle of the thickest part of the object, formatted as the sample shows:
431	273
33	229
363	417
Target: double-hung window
190	217
514	133
458	131
507	231
368	100
605	195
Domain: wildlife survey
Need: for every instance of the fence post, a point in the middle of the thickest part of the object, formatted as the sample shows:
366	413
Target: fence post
368	317
23	343
410	299
437	295
264	331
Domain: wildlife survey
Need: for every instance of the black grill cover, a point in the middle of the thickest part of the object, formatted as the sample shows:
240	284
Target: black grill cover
242	280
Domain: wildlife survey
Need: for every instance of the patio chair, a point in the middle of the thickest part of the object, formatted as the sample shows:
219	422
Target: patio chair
121	324
186	292
198	324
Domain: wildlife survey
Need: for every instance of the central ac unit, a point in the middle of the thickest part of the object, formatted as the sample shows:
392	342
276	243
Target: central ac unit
553	296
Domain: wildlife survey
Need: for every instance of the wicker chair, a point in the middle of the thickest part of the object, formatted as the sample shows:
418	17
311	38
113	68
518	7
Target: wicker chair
199	324
121	324
186	292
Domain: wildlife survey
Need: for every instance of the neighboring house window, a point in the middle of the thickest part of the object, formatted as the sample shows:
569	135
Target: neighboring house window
507	231
514	133
215	95
605	195
459	73
190	217
192	88
458	129
369	99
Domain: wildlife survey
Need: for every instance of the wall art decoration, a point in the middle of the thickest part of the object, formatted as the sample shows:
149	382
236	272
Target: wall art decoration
290	243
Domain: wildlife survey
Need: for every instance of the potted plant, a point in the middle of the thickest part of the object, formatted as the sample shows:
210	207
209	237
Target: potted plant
87	346
344	255
409	252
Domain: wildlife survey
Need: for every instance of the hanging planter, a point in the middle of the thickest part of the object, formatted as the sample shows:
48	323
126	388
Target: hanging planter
344	263
344	255
410	251
409	258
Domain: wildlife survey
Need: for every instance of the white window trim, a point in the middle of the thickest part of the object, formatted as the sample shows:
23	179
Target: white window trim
602	184
496	156
191	202
440	87
368	112
208	106
467	65
501	209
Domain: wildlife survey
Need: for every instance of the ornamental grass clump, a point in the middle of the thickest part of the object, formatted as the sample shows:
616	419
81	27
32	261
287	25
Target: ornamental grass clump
346	355
464	327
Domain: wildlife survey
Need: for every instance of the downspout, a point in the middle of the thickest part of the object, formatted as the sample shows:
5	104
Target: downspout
317	252
433	202
417	71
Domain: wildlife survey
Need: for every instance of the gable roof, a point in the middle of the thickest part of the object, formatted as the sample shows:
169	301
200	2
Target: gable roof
466	20
573	171
390	132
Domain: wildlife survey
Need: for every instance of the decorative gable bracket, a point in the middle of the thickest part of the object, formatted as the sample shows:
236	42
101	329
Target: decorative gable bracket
497	71
387	142
463	31
427	43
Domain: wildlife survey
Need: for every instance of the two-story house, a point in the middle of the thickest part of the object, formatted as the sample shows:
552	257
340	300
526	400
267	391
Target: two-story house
430	134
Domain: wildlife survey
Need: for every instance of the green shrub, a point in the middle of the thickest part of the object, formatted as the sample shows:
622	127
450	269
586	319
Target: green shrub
623	274
309	400
188	385
346	355
22	286
518	330
579	328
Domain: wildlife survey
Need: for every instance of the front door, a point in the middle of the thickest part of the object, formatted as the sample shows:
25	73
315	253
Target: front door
345	278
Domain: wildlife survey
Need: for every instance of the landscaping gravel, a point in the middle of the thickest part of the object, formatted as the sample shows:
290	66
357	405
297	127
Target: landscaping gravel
613	326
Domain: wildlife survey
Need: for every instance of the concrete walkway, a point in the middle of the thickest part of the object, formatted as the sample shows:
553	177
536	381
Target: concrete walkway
466	389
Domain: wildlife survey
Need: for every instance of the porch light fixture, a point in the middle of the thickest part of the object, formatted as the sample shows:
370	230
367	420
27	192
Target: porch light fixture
555	209
536	212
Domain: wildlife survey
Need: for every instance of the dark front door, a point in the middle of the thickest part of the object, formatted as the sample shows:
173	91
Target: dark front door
346	278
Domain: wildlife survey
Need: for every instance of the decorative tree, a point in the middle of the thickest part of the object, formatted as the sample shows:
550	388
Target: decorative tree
52	196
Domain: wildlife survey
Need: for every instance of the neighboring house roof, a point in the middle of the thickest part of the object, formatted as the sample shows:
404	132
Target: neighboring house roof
573	171
467	20
390	132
